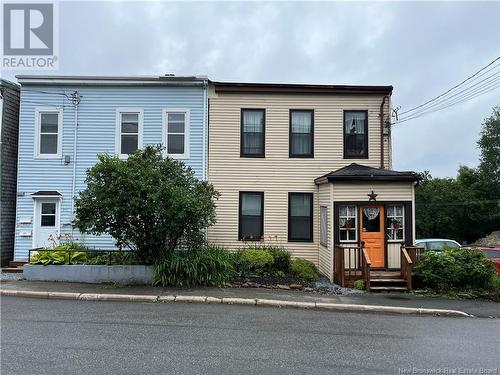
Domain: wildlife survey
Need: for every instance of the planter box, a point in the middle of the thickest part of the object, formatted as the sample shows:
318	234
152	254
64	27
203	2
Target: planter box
90	273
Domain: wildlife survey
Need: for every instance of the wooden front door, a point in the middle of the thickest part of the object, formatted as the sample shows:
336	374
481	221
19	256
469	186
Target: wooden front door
373	233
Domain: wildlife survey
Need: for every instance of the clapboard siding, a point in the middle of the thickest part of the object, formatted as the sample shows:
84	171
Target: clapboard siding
8	165
387	191
277	174
326	252
96	134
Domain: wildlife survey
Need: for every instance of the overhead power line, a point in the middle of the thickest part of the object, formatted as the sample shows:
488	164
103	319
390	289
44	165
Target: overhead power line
472	77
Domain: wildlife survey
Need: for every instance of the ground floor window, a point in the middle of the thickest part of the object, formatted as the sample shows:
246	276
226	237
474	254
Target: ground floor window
300	216
348	223
395	222
251	216
323	226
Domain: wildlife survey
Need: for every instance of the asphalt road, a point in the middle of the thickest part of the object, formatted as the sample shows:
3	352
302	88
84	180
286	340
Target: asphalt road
83	337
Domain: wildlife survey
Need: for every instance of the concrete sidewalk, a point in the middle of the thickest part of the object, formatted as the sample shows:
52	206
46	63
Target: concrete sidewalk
476	308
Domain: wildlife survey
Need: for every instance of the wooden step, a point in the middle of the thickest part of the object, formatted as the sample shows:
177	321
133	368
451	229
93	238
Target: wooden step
388	281
12	270
17	263
388	288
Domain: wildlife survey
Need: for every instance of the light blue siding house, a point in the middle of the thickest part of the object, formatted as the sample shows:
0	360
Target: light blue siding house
66	121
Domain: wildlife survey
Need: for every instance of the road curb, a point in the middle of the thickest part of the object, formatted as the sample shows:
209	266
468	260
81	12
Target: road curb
324	306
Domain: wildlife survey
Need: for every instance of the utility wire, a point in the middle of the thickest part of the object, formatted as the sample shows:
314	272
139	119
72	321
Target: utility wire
453	88
468	96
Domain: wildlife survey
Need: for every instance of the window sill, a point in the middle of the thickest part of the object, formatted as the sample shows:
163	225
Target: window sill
252	156
300	156
356	157
48	157
250	240
294	240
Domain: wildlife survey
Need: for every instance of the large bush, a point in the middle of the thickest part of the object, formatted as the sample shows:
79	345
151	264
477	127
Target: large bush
456	269
256	260
147	203
211	266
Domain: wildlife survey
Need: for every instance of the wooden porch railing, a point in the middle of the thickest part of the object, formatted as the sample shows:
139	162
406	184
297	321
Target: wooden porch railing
365	268
406	267
410	257
351	263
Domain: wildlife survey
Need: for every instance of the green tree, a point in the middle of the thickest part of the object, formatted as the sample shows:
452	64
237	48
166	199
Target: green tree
147	203
467	207
489	144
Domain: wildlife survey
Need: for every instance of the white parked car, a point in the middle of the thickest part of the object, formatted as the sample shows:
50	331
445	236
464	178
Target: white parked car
436	244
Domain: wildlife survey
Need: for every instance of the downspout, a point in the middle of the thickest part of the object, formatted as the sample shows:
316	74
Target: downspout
76	102
204	158
382	132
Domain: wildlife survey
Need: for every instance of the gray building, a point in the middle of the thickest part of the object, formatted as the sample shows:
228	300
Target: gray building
9	133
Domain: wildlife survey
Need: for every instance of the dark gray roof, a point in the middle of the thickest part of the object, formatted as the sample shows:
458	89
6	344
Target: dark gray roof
42	193
358	172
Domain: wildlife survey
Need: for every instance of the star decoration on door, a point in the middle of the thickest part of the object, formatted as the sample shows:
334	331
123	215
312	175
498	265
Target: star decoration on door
372	197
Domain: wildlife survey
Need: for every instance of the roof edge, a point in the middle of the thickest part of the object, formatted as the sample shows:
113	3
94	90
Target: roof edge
295	88
109	80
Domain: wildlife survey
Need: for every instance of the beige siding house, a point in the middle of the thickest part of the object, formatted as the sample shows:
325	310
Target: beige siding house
295	165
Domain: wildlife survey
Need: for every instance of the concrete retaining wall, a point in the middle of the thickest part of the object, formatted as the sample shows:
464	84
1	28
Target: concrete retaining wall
90	273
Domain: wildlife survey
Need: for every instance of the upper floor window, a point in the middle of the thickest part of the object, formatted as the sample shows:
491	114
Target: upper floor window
177	133
48	133
129	131
355	134
251	216
253	132
301	133
300	216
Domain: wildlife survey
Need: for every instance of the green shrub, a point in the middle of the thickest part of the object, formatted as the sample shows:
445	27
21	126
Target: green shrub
359	284
281	259
60	255
304	270
456	269
256	260
211	266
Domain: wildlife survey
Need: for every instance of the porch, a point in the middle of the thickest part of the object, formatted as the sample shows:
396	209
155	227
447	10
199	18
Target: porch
351	263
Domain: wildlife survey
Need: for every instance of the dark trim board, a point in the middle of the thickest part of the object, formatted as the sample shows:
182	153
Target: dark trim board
287	88
408	222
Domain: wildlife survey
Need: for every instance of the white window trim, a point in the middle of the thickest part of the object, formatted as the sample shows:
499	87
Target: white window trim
187	127
118	132
38	116
36	200
356	221
403	223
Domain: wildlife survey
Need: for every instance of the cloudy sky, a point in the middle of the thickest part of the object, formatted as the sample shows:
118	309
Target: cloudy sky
422	49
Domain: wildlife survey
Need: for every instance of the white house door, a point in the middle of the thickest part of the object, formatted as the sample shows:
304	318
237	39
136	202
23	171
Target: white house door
46	221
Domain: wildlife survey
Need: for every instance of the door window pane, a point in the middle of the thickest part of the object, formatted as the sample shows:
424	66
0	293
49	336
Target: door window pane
371	219
48	215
